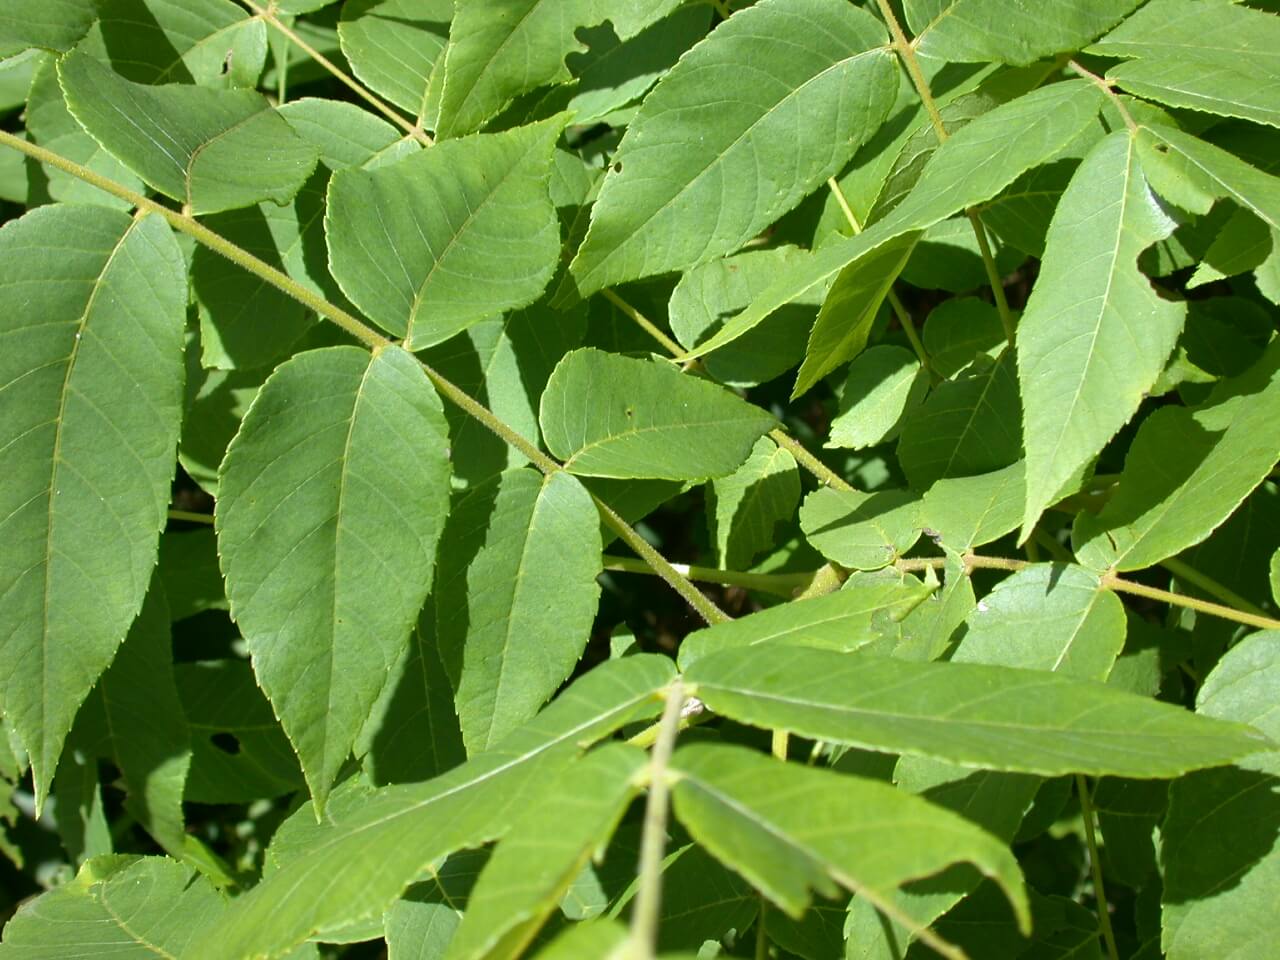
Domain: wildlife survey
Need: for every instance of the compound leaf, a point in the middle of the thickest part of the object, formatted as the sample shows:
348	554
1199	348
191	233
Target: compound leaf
709	161
92	306
999	718
1009	31
1095	335
607	415
449	236
394	46
330	501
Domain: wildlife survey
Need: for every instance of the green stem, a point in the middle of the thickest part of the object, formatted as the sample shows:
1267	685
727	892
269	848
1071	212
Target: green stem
778	584
661	566
1095	864
1210	586
907	52
1109	581
645	324
1105	86
191	517
375	341
350	82
762	934
653	838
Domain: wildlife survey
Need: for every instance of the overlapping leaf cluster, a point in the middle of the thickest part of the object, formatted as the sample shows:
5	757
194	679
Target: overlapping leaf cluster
430	301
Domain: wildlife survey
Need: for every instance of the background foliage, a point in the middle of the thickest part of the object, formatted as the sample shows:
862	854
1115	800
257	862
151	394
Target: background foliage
365	364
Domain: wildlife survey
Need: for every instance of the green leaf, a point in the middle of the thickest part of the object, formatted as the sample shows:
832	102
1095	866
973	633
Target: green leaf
967	426
606	415
412	732
447	237
1218	841
506	361
999	718
1009	31
696	175
52	126
515	597
499	49
149	739
1186	472
1193	173
967	512
844	620
1203	54
845	320
330	502
747	505
210	42
421	923
51	24
345	135
593	940
1095	335
210	150
188	568
960	330
861	834
394	47
546	847
864	531
122	906
1275	576
1049	616
374	843
714	291
92	305
884	383
239	752
975	164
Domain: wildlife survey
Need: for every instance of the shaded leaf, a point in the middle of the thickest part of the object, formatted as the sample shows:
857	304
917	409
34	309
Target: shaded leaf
844	620
693	159
92	305
606	415
51	24
592	940
1186	472
883	384
374	843
743	807
1000	718
960	330
1218	849
544	850
515	597
330	502
447	237
208	149
421	923
747	505
1095	335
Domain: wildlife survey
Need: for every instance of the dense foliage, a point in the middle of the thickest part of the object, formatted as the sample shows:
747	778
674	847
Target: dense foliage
366	368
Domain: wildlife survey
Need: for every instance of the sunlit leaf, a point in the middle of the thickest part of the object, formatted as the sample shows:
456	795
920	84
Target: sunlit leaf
1009	31
311	540
92	305
395	47
749	503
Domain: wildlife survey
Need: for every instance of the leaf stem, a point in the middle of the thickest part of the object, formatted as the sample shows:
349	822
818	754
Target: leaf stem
1184	571
1109	581
653	838
778	584
661	566
372	339
349	81
1095	864
907	52
1105	86
645	324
